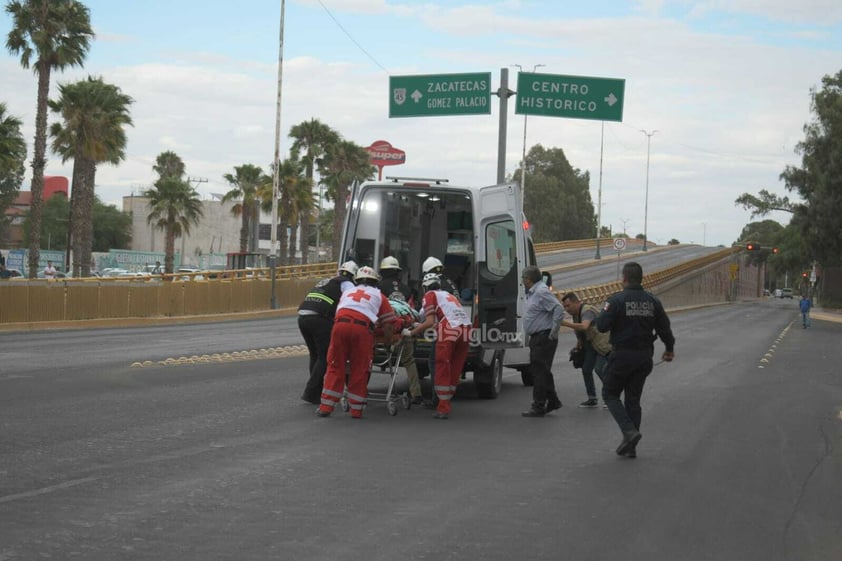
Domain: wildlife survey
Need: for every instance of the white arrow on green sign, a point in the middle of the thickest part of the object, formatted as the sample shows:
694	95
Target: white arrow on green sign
435	95
577	97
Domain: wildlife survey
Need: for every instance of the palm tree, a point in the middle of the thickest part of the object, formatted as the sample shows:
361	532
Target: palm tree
12	160
169	165
50	34
245	182
174	208
290	180
343	164
313	138
94	116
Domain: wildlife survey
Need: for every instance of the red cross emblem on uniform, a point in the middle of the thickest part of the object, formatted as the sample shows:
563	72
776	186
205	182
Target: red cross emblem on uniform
452	298
359	295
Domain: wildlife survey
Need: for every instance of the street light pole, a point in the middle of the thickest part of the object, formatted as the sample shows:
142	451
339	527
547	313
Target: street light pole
704	233
273	252
523	159
649	136
599	200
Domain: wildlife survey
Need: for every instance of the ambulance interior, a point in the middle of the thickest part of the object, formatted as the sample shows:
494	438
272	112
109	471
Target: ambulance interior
413	223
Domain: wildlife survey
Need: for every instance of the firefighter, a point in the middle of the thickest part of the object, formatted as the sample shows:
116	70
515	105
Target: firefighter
352	341
433	265
315	321
453	331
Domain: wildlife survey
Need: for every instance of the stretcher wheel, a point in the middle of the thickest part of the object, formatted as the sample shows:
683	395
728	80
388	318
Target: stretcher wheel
392	408
344	404
405	401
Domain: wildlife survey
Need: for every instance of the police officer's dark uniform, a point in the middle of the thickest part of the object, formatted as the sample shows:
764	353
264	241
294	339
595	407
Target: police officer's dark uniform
315	321
632	316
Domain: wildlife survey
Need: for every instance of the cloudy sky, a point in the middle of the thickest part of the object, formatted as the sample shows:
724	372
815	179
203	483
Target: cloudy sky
726	83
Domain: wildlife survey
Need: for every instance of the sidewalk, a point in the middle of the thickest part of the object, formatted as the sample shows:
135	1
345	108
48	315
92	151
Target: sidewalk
826	315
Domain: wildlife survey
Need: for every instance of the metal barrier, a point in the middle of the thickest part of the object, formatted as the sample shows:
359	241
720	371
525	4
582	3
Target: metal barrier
600	292
33	301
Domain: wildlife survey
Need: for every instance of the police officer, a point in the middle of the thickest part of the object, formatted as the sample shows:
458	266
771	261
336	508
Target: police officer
315	321
632	316
433	265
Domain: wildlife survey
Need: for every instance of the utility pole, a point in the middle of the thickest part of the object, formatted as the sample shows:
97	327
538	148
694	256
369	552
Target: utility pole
649	136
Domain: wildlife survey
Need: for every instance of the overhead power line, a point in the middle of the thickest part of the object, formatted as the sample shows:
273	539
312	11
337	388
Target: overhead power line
345	31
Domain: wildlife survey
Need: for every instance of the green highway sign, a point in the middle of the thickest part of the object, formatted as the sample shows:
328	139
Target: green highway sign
576	97
436	95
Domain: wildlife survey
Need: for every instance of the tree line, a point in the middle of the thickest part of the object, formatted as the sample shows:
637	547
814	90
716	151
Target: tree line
812	235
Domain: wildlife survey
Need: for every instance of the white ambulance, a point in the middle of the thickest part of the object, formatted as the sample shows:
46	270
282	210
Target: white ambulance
481	237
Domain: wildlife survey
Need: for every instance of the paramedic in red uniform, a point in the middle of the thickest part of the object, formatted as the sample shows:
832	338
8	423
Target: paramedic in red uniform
453	331
352	339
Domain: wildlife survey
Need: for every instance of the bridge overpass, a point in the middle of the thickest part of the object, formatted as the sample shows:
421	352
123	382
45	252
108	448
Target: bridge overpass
682	275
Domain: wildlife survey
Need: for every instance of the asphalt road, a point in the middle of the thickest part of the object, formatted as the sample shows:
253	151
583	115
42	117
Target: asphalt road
741	457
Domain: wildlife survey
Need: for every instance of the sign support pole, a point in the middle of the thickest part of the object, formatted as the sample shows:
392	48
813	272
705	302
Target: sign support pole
503	93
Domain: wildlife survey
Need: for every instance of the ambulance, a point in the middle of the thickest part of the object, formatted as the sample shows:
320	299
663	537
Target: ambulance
481	237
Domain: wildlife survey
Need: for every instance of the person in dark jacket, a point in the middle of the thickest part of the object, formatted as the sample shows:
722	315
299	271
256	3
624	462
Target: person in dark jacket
390	281
635	318
315	321
403	301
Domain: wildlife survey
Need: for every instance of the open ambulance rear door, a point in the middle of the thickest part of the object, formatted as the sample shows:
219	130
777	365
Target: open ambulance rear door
501	258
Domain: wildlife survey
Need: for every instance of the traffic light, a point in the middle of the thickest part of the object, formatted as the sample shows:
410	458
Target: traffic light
804	275
752	247
775	250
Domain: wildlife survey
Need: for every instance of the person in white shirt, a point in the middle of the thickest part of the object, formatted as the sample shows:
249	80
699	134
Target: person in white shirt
50	271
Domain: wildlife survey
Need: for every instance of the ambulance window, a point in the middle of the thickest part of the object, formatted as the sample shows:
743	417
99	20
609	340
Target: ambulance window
500	247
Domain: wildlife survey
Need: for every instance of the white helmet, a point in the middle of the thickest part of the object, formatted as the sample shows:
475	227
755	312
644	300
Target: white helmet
366	273
431	279
389	263
348	267
430	264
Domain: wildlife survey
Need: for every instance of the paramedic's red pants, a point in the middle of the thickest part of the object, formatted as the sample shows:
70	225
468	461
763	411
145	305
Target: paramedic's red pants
451	352
348	342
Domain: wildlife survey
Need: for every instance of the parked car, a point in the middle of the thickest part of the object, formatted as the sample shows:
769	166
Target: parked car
786	293
192	276
112	272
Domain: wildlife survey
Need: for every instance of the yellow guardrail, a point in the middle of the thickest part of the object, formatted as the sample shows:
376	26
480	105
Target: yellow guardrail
547	247
215	292
600	292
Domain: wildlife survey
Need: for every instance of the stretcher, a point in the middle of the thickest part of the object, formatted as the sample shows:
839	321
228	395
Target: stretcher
386	362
